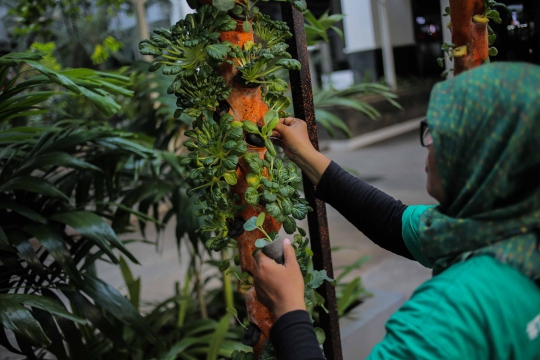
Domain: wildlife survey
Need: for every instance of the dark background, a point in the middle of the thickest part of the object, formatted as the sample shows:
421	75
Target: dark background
521	43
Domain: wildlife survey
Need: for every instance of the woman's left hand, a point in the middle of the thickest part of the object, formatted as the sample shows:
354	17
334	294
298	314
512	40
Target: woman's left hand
279	287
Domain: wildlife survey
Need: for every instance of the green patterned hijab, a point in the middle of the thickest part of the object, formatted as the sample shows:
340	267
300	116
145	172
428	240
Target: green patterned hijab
485	125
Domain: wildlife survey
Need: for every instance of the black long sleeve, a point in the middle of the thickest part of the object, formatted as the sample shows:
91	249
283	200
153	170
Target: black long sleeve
373	212
294	338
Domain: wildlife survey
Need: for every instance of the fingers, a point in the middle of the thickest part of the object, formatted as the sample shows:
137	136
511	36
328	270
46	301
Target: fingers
288	121
289	254
280	129
260	257
276	141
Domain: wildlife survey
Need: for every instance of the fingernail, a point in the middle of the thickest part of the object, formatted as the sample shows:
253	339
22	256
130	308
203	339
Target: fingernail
287	241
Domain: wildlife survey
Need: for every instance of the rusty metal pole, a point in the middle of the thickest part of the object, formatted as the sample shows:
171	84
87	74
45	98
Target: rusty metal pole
304	108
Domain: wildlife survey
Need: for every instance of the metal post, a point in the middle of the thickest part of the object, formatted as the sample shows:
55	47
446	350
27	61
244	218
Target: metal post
318	223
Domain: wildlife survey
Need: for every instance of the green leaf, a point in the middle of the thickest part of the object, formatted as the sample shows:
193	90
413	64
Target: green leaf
94	228
14	58
253	180
269	116
260	219
217	337
117	305
318	278
23	210
290	64
493	51
52	240
252	196
33	184
273	210
492	38
251	224
270	147
95	316
49	326
247	26
133	285
231	177
18	319
230	162
260	243
300	5
224	265
217	51
440	61
54	159
180	347
347	269
232	311
25	249
272	124
147	48
321	336
289	225
223	5
44	303
250	127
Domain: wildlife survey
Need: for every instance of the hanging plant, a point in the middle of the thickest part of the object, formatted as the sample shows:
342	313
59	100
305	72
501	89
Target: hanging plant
270	32
191	43
244	187
255	64
200	91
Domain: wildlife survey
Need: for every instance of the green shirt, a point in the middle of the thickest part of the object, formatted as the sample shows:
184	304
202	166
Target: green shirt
477	309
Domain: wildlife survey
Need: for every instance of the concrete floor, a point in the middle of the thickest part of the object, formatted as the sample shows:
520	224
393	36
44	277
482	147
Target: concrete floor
395	166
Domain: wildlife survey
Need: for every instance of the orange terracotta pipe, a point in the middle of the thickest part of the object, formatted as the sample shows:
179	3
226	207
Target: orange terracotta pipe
466	32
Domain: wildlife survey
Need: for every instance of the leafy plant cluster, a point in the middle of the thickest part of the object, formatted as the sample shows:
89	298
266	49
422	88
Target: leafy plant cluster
57	183
191	51
194	54
271	184
256	63
215	150
270	32
198	92
190	43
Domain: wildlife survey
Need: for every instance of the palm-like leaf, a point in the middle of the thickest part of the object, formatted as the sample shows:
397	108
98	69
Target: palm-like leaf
350	97
57	178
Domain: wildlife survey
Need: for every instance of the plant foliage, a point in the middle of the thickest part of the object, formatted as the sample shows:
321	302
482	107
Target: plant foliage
57	183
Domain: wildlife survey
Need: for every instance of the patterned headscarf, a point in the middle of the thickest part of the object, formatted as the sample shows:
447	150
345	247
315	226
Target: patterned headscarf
485	125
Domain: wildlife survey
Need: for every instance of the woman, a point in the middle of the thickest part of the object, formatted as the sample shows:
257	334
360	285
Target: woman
482	241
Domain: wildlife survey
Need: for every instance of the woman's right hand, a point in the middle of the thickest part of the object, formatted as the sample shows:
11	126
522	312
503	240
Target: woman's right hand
291	134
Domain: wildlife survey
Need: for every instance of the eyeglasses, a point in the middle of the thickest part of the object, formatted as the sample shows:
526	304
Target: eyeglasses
425	135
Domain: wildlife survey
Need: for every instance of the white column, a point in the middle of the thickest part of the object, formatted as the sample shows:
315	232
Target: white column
447	35
358	25
142	25
386	45
179	10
